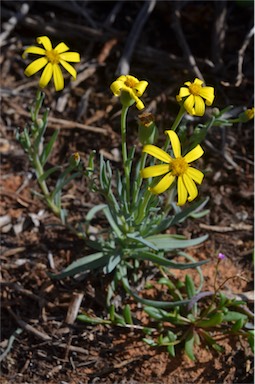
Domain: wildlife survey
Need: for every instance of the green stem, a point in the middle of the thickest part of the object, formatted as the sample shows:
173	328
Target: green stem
142	207
43	185
176	123
124	150
140	166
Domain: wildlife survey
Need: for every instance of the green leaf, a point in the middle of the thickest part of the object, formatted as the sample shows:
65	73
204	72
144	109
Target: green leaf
150	342
238	325
171	350
141	240
113	261
215	319
48	148
63	181
190	287
93	211
198	215
47	173
90	320
210	341
251	339
189	345
161	315
234	316
127	314
169	242
156	259
155	313
112	222
153	303
42	129
191	209
93	261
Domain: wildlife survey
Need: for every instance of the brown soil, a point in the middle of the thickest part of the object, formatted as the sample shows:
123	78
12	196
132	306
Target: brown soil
33	242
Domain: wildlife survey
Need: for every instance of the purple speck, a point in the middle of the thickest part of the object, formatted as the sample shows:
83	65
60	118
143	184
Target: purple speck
221	256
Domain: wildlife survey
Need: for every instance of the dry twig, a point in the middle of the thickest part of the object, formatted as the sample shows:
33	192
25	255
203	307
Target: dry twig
124	63
27	327
241	52
176	25
219	31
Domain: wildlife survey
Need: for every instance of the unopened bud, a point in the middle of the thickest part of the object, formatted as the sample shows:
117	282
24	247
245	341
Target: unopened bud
75	159
246	115
147	130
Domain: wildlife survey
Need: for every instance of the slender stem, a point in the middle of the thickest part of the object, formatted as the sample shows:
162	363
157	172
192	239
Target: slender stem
140	166
43	185
124	150
142	207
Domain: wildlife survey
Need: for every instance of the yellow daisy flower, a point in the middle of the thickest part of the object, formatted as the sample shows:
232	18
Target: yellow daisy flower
51	59
178	167
129	88
196	96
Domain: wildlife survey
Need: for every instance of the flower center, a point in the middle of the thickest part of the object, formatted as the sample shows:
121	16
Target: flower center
52	56
130	82
179	166
195	89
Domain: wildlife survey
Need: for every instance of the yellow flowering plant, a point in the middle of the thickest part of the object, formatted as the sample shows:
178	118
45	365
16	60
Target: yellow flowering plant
50	61
139	203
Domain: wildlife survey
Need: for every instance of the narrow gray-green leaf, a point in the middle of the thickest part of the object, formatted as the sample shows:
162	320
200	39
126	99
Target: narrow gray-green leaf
93	261
48	148
169	242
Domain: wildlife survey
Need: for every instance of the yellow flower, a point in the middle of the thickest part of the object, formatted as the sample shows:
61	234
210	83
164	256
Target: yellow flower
194	95
129	88
178	167
51	60
249	113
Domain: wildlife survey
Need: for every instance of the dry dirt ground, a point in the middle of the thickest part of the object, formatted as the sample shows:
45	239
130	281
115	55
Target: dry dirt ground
157	45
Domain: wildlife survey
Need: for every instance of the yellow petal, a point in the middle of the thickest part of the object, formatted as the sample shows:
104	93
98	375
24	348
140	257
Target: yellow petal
116	87
139	104
69	68
131	79
194	154
140	87
163	185
182	191
122	78
157	152
208	94
132	94
58	77
199	107
188	83
61	47
35	66
184	91
195	174
45	41
73	57
154	170
190	186
198	81
35	50
175	142
46	75
189	104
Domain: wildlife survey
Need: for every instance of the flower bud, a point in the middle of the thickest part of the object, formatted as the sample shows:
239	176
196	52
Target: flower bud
246	115
74	159
147	130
